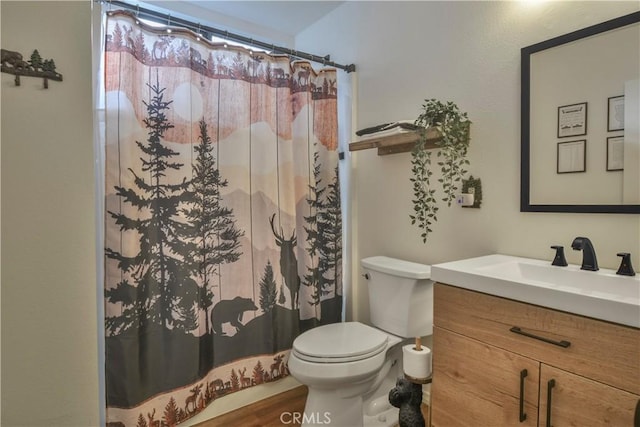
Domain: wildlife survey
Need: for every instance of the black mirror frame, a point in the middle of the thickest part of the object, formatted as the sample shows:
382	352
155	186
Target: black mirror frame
525	99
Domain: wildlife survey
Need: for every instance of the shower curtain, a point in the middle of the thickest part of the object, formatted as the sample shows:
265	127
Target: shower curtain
222	218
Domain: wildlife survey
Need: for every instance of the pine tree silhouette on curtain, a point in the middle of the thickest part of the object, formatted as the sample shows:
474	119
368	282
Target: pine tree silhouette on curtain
268	292
164	294
330	230
215	238
316	205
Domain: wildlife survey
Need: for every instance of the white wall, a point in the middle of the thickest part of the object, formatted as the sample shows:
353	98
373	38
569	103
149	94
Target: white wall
469	53
49	328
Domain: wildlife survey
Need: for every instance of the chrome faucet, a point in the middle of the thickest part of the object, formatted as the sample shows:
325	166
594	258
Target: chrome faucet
589	261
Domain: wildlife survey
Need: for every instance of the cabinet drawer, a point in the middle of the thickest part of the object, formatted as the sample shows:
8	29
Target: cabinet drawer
603	351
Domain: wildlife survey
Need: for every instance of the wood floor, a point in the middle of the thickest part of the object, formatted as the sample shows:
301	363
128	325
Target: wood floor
268	412
265	413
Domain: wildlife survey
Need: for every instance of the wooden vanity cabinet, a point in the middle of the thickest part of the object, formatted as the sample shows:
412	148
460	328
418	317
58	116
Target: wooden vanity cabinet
486	373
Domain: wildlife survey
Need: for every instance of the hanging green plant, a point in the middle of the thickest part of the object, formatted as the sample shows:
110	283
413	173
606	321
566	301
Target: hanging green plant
453	126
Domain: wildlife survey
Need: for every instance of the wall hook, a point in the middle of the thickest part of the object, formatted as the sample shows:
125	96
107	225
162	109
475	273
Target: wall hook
13	63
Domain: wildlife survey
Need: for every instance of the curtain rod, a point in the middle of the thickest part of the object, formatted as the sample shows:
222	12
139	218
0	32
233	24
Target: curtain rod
203	29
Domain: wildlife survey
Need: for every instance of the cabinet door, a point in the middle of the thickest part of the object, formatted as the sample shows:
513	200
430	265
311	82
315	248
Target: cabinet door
476	384
570	400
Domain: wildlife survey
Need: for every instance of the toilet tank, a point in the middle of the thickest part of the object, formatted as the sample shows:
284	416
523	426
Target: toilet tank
400	296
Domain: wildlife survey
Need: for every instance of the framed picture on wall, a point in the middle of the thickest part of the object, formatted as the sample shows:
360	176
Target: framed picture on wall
572	156
572	120
615	113
615	153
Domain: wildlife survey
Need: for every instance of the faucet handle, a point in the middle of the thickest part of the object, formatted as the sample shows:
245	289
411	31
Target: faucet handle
559	260
626	269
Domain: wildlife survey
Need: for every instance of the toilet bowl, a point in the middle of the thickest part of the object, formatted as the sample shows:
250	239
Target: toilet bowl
341	364
350	367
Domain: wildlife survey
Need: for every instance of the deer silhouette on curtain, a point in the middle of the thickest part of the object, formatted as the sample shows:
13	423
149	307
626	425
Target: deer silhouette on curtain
223	222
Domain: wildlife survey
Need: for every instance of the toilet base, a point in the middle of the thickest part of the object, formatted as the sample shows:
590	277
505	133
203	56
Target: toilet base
387	418
347	412
365	404
326	408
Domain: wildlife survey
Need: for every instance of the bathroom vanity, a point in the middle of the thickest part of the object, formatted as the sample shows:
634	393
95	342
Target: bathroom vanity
501	360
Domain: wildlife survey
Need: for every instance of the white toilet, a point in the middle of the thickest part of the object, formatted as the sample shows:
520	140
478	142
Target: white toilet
350	367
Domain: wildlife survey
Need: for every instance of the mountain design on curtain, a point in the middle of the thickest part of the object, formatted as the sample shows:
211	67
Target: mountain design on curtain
223	224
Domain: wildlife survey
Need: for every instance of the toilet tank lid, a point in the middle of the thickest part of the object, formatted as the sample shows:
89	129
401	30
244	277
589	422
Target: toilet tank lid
397	267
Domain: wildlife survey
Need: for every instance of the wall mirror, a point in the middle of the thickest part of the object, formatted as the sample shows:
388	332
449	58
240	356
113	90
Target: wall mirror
580	114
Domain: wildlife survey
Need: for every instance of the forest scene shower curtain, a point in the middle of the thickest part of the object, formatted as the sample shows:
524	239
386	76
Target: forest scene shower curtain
222	225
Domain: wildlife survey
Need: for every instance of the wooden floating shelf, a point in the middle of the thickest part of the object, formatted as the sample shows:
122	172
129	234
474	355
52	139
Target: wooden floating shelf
398	143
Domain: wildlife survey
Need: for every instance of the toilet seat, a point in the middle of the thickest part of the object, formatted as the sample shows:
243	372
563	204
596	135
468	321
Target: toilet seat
339	343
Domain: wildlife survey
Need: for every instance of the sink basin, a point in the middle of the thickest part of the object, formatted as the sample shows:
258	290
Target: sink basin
599	294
